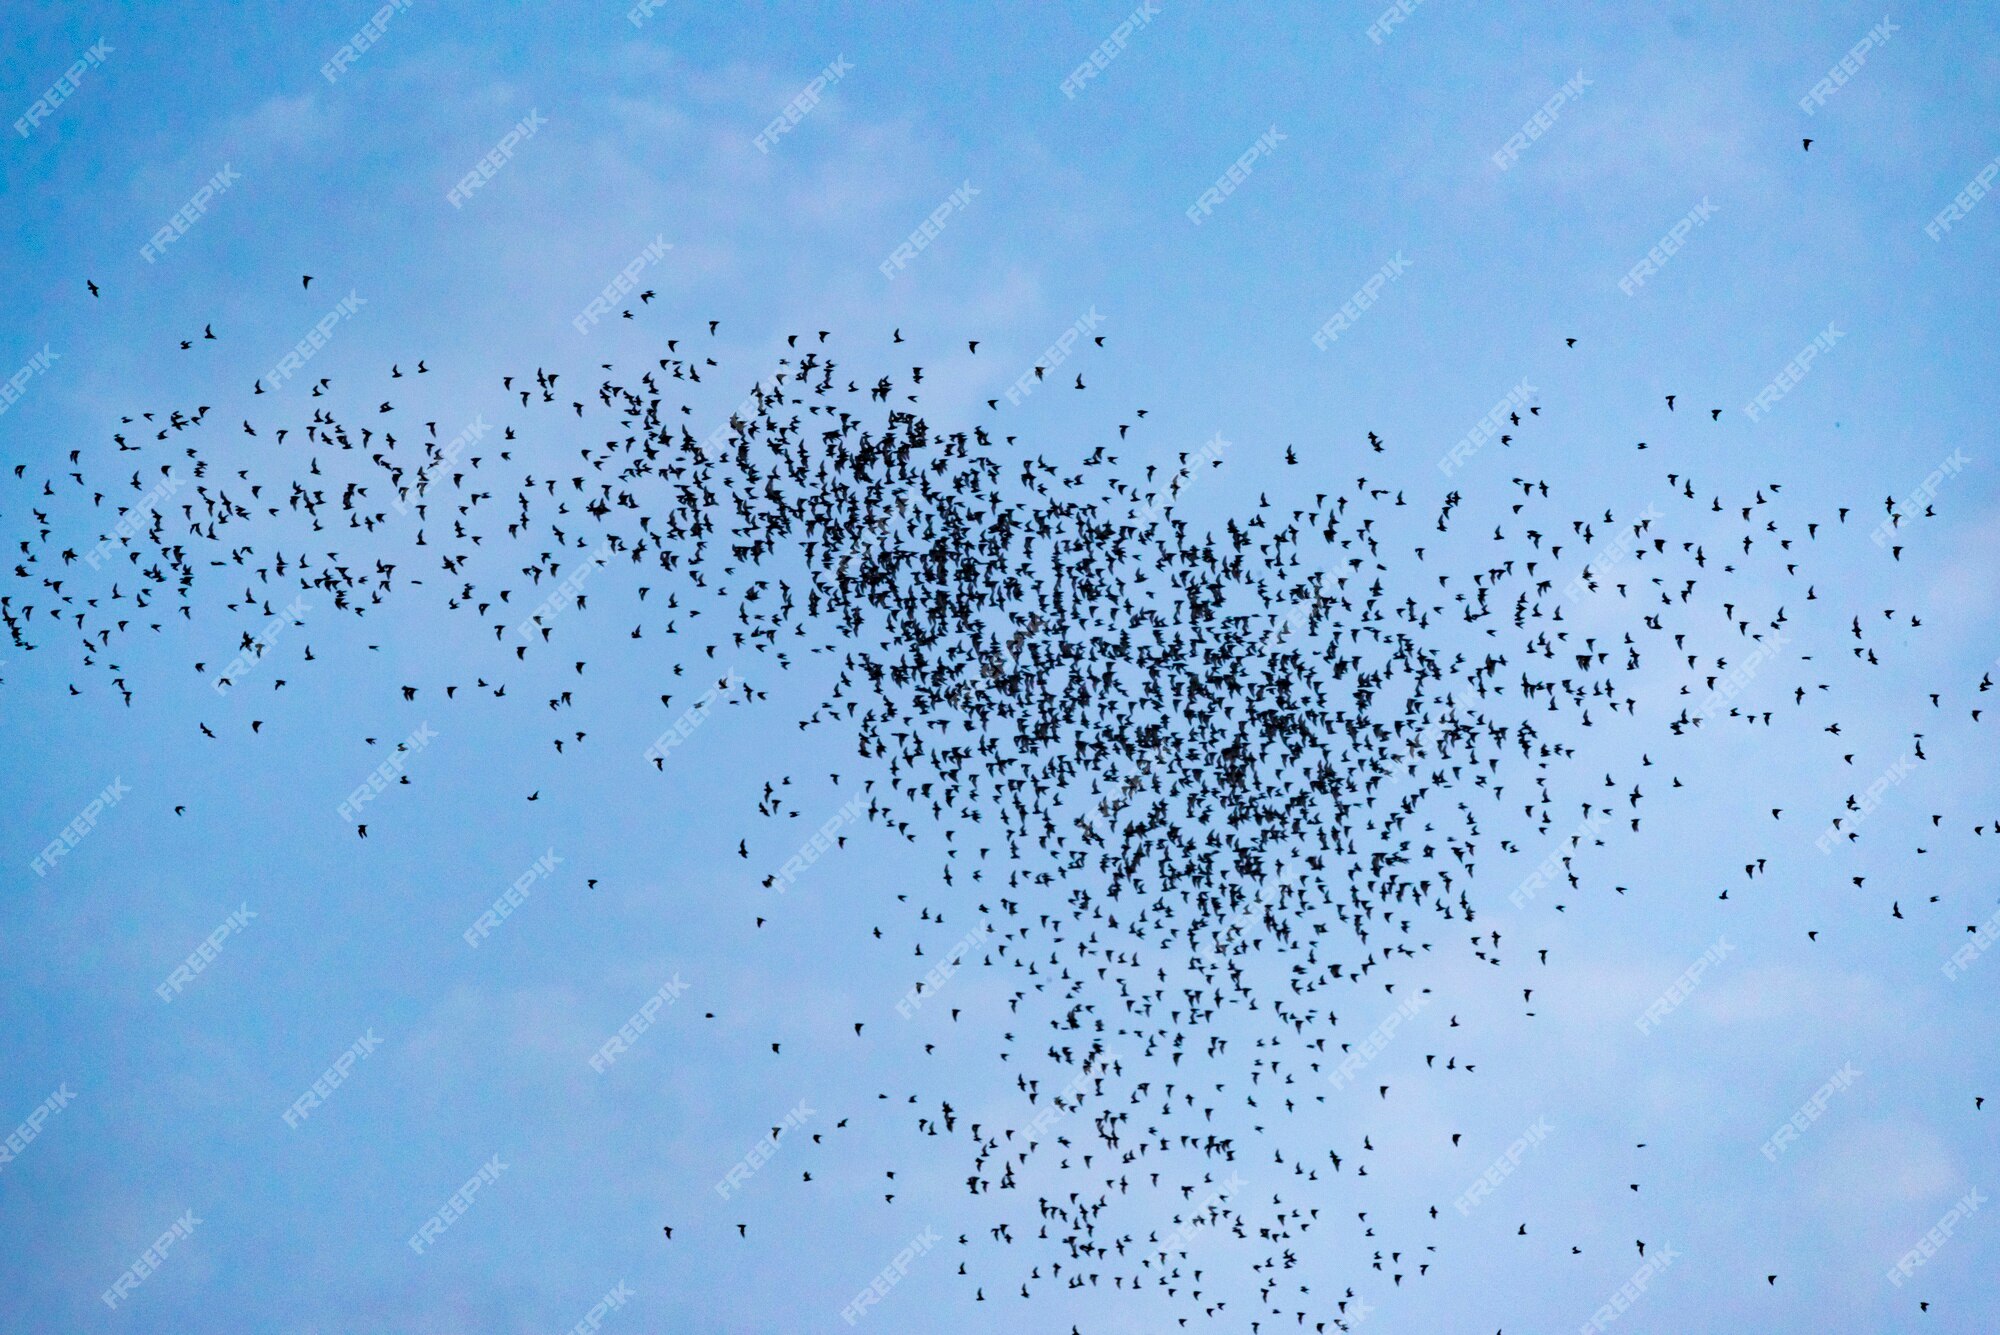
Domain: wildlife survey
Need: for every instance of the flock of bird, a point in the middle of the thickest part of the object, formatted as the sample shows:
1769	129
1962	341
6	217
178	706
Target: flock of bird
1187	782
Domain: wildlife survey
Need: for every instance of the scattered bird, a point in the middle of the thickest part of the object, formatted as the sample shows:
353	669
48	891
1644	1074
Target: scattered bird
1206	797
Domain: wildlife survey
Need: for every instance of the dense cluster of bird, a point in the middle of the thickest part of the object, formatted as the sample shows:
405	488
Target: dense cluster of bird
1190	783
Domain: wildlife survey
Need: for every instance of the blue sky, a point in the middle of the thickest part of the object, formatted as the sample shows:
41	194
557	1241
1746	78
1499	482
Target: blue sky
1080	206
